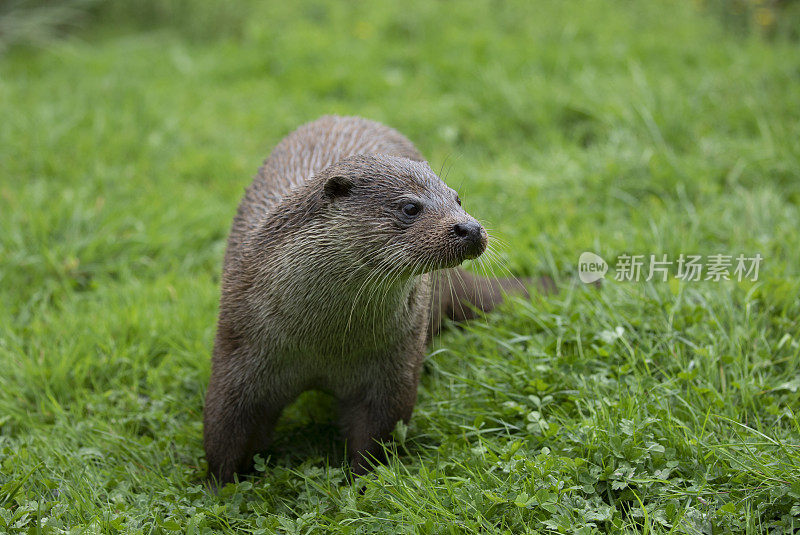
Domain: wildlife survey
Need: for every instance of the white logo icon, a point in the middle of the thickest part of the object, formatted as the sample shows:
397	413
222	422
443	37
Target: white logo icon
591	267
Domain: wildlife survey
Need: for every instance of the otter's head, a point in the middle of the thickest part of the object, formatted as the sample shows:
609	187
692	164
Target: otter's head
401	214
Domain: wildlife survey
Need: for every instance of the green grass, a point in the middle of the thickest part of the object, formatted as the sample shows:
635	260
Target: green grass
613	127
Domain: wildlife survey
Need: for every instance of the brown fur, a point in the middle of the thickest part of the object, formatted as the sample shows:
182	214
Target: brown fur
326	285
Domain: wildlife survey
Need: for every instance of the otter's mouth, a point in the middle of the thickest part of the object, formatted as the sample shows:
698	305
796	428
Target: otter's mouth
471	238
464	241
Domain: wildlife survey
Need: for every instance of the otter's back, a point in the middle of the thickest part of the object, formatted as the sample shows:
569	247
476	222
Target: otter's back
306	151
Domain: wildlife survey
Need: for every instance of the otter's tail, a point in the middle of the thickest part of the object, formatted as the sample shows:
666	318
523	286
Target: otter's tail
459	295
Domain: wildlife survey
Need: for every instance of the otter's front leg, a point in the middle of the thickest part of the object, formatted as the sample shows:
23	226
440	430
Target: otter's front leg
368	418
237	421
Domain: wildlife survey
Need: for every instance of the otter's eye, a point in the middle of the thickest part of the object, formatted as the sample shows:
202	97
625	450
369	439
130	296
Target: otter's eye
411	209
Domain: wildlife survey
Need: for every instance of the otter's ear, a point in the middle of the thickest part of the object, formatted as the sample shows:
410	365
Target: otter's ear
338	186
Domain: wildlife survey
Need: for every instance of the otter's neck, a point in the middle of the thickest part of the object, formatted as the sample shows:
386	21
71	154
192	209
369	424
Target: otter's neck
326	304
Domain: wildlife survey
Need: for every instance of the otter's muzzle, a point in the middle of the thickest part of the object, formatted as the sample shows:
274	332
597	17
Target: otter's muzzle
472	238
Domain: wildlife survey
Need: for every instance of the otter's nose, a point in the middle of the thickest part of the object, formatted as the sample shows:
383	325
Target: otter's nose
473	236
470	230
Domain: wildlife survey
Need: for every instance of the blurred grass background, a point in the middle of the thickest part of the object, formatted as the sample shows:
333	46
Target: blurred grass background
36	22
131	128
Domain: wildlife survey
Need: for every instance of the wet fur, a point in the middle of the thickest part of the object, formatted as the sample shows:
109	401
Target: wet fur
324	288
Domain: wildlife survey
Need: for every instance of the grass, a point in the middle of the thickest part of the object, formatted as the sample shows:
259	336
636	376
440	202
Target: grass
610	127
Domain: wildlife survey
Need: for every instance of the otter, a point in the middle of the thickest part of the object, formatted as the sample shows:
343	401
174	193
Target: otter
327	284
